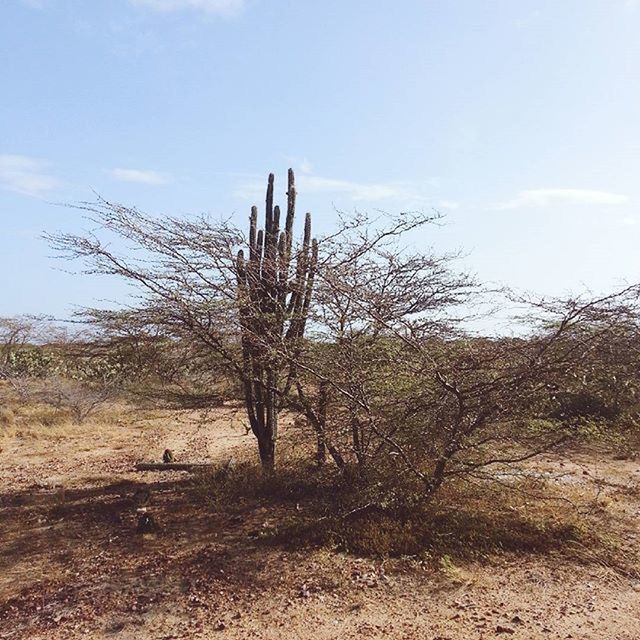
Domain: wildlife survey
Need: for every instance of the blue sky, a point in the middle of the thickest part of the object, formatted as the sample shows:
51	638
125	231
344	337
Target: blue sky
518	119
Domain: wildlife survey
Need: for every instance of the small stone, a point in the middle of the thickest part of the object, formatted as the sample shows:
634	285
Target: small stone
502	629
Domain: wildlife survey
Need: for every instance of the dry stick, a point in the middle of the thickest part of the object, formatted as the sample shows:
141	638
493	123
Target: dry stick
172	466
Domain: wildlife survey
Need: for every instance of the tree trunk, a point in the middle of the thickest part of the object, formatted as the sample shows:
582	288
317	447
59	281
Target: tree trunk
267	449
356	439
321	450
323	402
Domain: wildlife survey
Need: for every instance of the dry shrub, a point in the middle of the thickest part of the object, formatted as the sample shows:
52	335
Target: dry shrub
51	402
380	534
460	523
7	423
79	400
46	416
626	446
320	508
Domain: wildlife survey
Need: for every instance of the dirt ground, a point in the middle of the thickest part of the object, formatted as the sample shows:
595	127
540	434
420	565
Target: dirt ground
73	566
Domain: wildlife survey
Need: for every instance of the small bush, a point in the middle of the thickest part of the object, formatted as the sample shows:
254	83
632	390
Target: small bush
240	483
380	535
470	530
584	405
74	399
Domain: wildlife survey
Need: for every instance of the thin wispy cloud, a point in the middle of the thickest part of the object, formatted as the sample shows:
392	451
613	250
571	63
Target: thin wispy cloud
357	191
140	176
224	7
311	183
26	175
553	197
306	183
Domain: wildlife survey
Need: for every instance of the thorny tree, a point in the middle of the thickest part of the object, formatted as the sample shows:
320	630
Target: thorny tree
415	395
368	287
390	381
15	334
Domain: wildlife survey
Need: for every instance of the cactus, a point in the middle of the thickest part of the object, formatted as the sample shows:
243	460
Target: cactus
274	302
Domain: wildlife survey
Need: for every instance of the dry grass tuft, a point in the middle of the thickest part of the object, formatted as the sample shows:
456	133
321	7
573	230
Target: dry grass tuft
30	418
7	417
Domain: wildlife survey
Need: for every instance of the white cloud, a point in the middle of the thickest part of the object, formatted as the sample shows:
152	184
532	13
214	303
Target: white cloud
26	175
141	176
554	197
355	190
208	6
411	193
307	182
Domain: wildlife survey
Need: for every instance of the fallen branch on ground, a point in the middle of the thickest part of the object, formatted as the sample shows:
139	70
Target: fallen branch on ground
171	466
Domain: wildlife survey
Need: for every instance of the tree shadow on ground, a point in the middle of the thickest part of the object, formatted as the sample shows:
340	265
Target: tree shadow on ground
94	560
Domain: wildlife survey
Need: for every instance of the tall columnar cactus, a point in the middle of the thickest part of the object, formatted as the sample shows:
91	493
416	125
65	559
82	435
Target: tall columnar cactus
274	301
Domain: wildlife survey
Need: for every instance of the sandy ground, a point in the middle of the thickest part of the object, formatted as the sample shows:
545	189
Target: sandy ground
72	566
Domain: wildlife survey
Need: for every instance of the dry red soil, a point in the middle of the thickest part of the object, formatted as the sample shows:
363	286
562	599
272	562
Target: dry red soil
73	566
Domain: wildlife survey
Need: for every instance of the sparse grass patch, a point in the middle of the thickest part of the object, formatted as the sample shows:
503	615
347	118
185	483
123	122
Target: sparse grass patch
46	416
242	482
30	417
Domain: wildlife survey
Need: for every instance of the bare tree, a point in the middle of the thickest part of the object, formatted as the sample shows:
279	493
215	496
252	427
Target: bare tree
374	299
366	337
16	333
